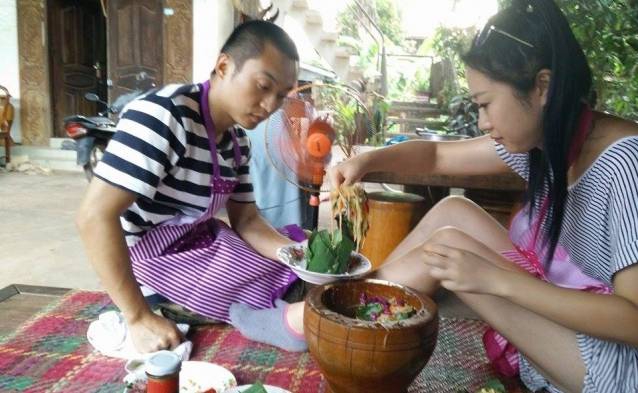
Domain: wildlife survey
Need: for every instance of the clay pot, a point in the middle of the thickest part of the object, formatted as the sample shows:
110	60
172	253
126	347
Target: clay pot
391	216
362	356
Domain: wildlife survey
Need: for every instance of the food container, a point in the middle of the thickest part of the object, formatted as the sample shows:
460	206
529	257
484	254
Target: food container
162	370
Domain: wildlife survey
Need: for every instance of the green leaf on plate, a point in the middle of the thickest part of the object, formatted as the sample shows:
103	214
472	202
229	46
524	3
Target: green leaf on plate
329	253
257	387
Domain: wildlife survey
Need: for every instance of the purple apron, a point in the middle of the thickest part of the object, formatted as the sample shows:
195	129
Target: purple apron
201	263
529	253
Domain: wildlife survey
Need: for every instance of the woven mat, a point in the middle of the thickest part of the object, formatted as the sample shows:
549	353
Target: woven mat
50	353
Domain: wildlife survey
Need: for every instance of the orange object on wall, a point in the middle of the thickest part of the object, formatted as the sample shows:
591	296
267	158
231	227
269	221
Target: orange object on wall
6	120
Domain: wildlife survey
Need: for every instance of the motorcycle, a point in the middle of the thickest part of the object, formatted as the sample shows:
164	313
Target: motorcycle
91	134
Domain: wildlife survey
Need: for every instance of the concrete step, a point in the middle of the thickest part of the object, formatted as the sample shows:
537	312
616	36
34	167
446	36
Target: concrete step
329	37
48	157
43	152
56	143
301	5
313	17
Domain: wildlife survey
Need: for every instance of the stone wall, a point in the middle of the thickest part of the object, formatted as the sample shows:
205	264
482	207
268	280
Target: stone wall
35	91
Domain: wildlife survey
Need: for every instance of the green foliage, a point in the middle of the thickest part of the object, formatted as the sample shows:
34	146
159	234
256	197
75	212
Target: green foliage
389	20
450	43
380	108
346	112
397	87
384	12
345	119
367	59
420	82
608	32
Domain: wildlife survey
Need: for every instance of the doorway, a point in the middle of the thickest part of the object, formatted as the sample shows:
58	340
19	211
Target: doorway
77	53
135	45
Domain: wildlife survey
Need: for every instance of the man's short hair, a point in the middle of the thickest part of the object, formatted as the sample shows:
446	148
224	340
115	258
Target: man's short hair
248	40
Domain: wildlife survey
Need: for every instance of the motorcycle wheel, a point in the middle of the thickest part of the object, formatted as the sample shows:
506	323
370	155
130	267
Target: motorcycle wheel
97	151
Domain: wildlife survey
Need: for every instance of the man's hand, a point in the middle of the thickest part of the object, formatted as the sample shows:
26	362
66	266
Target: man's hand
152	333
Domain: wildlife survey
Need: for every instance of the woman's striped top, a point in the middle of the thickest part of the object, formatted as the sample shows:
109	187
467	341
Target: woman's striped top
600	233
600	224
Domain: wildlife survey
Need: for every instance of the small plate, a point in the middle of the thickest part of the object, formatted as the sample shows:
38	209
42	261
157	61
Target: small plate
269	389
197	377
293	257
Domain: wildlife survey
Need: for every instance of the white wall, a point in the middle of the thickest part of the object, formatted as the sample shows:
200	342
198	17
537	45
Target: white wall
9	66
212	24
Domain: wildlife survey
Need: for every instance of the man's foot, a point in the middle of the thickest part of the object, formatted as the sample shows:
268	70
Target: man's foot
269	326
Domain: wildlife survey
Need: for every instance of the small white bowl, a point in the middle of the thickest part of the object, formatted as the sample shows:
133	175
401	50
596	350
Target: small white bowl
289	256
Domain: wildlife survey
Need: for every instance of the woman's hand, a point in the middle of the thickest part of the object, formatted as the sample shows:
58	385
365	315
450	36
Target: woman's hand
152	332
348	172
462	270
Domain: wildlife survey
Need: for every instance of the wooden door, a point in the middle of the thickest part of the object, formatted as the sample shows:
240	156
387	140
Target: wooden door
77	36
135	45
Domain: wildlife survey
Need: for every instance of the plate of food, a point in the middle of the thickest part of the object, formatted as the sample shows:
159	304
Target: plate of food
204	377
257	387
318	262
331	255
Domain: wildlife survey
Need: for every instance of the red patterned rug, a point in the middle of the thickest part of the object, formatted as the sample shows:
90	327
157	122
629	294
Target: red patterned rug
50	353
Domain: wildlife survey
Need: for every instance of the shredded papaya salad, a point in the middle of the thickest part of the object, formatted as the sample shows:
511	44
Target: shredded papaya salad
350	207
381	309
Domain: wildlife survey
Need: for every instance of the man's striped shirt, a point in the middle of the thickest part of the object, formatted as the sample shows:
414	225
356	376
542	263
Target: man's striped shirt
161	153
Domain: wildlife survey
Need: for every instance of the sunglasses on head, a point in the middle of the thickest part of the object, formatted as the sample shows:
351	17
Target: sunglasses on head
484	35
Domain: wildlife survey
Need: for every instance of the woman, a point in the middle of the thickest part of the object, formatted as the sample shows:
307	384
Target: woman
562	285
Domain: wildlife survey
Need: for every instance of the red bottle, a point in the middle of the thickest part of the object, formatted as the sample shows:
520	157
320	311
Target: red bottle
162	370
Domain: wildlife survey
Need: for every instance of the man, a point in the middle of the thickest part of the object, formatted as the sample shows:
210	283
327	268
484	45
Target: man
177	158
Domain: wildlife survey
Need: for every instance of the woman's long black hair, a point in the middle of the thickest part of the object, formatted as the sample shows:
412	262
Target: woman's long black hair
542	24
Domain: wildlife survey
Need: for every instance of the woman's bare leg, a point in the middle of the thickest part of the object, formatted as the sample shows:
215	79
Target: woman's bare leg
458	222
550	347
404	264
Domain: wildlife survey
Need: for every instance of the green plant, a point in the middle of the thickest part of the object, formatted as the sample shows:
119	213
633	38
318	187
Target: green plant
449	43
385	14
421	82
379	110
348	115
607	30
463	116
